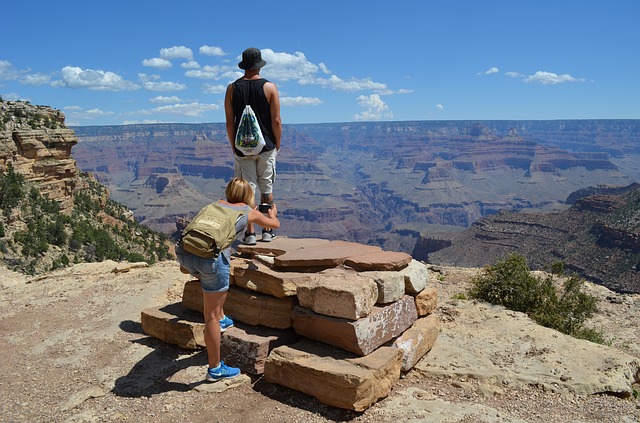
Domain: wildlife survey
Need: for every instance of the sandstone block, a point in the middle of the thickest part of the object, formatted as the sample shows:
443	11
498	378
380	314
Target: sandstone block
361	336
416	277
426	301
252	308
325	255
416	341
256	276
390	285
248	347
381	260
339	294
174	324
334	377
255	308
280	245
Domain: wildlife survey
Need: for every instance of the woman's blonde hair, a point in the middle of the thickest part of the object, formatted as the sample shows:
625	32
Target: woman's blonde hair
239	191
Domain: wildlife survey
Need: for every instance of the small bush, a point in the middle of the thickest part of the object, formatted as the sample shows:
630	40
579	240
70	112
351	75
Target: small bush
510	283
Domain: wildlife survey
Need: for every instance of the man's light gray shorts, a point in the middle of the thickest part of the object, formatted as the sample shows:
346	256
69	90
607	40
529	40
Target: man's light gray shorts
258	170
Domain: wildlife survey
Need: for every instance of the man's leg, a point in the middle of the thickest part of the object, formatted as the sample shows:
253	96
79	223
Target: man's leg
266	175
246	168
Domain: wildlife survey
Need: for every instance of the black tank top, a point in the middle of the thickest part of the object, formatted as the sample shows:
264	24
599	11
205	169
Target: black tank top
251	92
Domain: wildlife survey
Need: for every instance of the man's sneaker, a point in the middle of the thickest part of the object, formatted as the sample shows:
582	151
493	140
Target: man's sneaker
268	235
225	323
222	372
249	239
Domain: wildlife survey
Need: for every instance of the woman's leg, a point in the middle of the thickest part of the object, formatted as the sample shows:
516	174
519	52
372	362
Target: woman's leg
213	302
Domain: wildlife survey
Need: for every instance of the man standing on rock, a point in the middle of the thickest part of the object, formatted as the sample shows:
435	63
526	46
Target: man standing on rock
263	97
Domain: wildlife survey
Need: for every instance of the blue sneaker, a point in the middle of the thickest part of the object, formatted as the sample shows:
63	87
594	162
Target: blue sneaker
225	323
222	372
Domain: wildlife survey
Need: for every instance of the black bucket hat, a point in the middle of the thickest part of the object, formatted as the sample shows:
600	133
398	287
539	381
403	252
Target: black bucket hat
251	59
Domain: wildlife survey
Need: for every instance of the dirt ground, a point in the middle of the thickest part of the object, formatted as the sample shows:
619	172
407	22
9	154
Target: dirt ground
73	350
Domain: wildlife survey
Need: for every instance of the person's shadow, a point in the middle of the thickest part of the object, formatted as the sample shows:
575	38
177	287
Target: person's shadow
151	375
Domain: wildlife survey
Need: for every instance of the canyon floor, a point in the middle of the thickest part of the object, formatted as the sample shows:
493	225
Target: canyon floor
73	351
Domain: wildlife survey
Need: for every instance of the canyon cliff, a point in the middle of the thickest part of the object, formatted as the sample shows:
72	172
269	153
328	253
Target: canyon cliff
384	183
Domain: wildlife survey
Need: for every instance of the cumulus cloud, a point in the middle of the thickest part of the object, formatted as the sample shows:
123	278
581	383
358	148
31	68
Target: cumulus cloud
191	64
7	71
35	79
212	51
300	101
214	72
78	113
376	109
163	86
153	83
550	78
176	52
214	89
545	78
439	106
183	109
75	77
166	100
157	62
489	71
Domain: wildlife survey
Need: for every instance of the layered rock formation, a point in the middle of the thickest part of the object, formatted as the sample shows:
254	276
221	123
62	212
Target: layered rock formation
382	183
598	238
333	319
36	144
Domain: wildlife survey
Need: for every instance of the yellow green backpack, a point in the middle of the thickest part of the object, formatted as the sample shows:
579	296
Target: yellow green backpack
212	230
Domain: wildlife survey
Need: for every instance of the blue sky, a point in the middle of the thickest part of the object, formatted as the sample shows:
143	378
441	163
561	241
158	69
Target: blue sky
119	62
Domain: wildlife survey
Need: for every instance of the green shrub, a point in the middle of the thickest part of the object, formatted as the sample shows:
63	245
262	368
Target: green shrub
565	308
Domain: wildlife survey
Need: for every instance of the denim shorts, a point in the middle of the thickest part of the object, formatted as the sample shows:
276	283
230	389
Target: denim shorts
213	274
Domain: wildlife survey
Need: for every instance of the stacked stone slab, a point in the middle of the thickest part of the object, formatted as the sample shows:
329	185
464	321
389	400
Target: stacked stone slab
336	320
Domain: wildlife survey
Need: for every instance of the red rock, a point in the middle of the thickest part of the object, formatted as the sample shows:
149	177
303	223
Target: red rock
325	255
381	260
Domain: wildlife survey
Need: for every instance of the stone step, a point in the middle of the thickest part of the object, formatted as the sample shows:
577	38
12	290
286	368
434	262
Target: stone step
333	376
361	336
241	346
256	276
417	341
174	324
252	308
339	293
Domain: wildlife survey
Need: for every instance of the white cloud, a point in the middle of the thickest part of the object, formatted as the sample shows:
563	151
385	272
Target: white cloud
324	68
166	100
157	62
149	83
184	109
75	77
191	64
13	97
35	79
439	106
214	72
214	89
489	71
376	109
7	71
78	113
212	51
550	78
163	86
514	74
336	83
300	101
176	52
404	91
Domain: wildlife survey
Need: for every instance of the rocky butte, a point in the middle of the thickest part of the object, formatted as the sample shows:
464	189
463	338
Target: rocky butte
37	144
